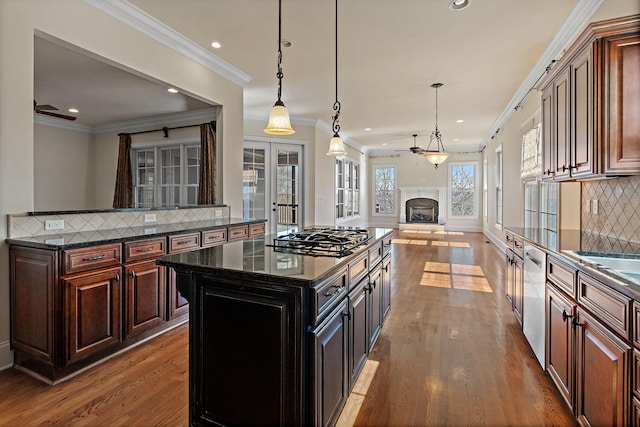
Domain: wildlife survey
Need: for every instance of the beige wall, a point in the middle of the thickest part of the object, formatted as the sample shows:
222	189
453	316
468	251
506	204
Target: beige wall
80	24
63	169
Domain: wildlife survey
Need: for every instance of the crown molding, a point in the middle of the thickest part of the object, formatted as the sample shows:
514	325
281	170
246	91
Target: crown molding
568	32
162	33
39	119
206	114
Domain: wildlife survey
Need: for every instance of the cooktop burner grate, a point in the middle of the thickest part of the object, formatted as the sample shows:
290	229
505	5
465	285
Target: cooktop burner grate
335	242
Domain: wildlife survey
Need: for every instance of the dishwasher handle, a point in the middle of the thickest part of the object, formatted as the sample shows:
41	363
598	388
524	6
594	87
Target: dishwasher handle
533	260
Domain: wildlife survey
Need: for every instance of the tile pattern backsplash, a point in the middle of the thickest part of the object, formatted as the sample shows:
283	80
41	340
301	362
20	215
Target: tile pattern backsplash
23	225
618	208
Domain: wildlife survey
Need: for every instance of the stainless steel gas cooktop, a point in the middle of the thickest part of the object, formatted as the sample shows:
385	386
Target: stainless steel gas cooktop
336	242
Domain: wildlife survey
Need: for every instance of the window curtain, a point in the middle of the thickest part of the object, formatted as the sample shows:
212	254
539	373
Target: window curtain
207	183
123	195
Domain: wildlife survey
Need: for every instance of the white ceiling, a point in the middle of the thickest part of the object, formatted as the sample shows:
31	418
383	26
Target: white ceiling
390	52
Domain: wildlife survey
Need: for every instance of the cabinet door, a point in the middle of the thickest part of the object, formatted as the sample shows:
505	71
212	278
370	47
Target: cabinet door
386	287
582	148
560	343
603	360
518	287
375	306
548	142
93	307
330	363
358	336
510	280
621	107
178	305
144	305
561	113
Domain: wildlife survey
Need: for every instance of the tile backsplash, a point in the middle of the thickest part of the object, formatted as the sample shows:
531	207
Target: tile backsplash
24	225
618	209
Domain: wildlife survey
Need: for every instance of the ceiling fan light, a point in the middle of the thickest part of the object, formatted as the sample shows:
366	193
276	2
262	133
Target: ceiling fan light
436	157
458	4
336	146
279	122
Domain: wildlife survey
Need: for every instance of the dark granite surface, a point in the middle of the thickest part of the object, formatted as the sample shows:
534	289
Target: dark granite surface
574	245
66	241
255	259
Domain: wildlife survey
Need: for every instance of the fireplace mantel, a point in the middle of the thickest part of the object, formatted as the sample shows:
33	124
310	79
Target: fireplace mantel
435	193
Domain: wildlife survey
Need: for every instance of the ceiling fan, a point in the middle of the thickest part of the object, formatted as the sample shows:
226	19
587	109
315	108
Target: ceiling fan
47	110
415	149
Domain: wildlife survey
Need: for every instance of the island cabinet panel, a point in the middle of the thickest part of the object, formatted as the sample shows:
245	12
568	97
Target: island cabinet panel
560	345
603	361
358	268
386	287
374	301
245	348
329	358
93	307
144	300
358	335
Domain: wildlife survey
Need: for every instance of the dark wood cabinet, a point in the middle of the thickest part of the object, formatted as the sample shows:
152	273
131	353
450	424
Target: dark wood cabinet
603	395
330	361
144	297
177	304
358	336
560	343
590	113
374	290
386	287
93	312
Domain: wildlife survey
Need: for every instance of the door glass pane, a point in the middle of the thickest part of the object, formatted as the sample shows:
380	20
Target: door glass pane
253	184
287	191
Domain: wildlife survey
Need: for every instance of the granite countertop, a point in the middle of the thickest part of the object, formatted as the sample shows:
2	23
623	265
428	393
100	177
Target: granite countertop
256	259
66	241
572	245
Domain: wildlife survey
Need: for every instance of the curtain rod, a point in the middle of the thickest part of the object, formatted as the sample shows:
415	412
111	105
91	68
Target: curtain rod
166	129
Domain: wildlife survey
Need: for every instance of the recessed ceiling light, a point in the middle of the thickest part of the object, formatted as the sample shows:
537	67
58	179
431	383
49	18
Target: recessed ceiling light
74	110
459	121
367	129
456	139
459	4
172	90
216	45
384	143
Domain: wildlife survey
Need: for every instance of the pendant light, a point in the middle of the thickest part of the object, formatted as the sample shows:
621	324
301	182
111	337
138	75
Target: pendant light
336	146
436	157
279	123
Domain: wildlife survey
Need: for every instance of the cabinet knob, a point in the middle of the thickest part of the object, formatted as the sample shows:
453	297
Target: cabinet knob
575	323
564	168
132	274
565	316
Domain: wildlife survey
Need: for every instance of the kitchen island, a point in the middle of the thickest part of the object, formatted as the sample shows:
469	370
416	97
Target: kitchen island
279	338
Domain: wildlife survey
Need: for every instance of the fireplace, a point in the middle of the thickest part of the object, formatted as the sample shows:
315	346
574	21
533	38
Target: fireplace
422	210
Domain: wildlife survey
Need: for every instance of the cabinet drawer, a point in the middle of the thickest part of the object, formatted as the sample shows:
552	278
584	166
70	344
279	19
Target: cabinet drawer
636	326
326	294
256	230
375	254
386	244
518	247
84	259
358	268
561	275
214	237
184	242
509	240
240	232
143	249
611	307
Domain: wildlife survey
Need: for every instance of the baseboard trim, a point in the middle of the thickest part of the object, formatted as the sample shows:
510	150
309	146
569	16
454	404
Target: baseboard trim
6	356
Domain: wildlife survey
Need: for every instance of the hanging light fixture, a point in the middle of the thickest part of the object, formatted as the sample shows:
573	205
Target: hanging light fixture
336	146
279	123
436	157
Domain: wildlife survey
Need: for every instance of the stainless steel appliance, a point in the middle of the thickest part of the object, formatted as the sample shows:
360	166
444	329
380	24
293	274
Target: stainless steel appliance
533	308
335	242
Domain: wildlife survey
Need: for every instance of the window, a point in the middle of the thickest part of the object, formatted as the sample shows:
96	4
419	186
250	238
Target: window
499	187
384	190
166	175
347	188
463	184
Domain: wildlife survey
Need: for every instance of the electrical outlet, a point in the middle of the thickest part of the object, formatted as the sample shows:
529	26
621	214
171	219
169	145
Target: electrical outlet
595	206
217	214
149	217
587	206
54	224
151	230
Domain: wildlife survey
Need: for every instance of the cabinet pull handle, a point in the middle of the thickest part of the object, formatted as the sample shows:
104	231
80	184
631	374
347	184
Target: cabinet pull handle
149	249
94	258
336	292
575	323
183	242
548	172
386	268
566	316
347	314
132	273
117	277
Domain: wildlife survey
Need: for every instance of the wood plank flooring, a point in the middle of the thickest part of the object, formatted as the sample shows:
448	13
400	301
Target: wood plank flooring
450	353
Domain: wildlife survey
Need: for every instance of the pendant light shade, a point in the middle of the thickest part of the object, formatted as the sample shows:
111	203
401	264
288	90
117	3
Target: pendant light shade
279	123
336	146
436	157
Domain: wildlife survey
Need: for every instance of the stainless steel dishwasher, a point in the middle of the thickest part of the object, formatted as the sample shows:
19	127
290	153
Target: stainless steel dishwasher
533	317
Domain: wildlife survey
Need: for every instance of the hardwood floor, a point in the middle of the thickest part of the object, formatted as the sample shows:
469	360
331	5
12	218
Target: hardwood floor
450	353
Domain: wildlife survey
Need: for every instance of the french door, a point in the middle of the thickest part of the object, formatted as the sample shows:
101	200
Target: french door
272	185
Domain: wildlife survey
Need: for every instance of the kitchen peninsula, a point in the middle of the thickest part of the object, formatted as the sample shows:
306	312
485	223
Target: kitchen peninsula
279	338
80	296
